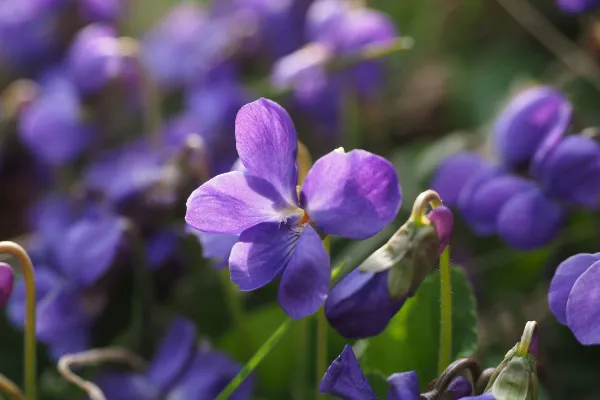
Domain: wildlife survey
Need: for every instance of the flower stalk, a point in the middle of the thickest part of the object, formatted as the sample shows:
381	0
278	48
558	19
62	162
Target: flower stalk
423	201
30	315
321	366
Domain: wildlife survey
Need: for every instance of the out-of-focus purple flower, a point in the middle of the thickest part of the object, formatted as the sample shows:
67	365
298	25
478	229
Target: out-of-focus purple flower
486	194
529	220
531	117
96	58
577	6
573	296
453	174
352	194
52	126
101	10
215	246
179	371
168	47
278	26
571	172
359	306
28	30
66	270
7	279
126	172
351	33
160	247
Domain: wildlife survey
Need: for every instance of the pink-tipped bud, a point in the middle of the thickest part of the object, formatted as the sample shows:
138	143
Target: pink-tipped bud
443	220
7	279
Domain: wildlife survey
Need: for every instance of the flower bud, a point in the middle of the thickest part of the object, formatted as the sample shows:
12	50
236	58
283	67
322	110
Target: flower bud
7	279
516	377
530	117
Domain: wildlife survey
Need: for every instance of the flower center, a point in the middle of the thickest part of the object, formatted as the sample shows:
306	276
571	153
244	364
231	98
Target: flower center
305	219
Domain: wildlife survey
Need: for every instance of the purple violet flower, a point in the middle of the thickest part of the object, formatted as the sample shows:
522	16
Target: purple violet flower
571	172
573	296
52	126
529	119
352	194
577	6
345	380
126	172
179	371
95	58
78	252
453	173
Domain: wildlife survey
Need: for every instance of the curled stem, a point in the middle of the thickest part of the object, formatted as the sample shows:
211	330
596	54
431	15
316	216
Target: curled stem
423	201
10	389
30	310
92	357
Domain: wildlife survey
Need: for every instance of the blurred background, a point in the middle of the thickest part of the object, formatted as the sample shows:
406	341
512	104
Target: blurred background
130	105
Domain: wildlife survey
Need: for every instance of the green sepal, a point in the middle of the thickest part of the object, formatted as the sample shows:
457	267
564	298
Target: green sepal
514	381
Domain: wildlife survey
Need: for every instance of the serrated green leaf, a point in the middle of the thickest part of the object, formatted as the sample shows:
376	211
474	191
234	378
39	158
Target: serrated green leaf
410	341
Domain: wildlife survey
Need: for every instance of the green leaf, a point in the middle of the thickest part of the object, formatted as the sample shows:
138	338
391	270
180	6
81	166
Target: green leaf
276	372
410	342
378	383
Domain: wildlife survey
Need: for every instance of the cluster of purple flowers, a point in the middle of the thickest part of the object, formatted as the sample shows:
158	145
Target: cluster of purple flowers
110	174
543	172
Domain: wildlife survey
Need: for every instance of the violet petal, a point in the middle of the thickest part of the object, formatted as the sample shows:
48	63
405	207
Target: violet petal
345	379
233	202
305	280
267	144
583	313
354	195
563	281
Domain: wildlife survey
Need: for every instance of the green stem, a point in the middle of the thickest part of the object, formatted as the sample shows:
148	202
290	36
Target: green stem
445	351
256	359
30	310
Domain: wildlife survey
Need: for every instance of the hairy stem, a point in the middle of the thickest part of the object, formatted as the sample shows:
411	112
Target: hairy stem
445	351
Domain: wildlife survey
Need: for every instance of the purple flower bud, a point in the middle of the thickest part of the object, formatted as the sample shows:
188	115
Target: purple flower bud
359	306
577	6
573	296
7	279
95	58
443	220
453	174
529	119
101	10
485	196
529	220
571	172
52	127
